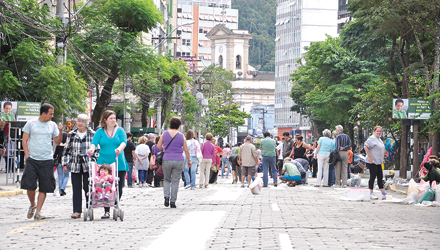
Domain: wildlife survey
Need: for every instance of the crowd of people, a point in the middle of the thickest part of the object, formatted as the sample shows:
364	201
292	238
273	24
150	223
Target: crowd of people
167	158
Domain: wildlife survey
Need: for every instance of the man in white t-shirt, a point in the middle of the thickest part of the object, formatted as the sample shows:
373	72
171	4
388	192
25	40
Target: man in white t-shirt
38	151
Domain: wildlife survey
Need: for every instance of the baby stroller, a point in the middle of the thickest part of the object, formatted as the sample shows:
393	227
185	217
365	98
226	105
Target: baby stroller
94	201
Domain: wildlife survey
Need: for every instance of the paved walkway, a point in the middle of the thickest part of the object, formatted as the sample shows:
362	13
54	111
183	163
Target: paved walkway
225	216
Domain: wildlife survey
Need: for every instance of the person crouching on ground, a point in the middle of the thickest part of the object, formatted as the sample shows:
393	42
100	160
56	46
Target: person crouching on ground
290	173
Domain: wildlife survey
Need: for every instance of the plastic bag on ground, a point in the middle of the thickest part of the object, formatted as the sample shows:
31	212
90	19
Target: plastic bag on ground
355	180
428	196
256	185
422	189
412	187
410	199
437	194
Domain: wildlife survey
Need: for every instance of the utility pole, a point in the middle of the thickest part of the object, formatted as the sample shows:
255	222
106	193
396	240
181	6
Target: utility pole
159	101
60	39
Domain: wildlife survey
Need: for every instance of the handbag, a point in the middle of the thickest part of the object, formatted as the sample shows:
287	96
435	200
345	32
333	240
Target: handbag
159	157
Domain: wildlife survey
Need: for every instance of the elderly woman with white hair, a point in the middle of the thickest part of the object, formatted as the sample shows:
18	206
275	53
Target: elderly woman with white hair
322	153
75	160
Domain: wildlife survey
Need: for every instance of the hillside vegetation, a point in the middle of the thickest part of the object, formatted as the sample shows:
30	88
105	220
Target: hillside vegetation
258	16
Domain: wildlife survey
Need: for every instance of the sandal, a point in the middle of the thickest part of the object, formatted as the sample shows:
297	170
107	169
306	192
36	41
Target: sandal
75	216
106	215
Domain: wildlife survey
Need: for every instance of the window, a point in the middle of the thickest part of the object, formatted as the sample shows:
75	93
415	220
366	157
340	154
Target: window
179	10
220	61
238	62
186	42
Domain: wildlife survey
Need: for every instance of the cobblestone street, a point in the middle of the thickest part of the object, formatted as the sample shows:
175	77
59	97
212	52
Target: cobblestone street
225	216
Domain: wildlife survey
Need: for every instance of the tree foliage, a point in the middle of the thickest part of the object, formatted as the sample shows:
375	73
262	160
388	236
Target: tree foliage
110	37
28	71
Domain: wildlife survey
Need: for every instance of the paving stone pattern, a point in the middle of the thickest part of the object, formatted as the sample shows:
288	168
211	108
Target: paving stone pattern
313	218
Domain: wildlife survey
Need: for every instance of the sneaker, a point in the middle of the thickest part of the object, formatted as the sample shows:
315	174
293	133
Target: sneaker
242	185
373	197
31	211
275	184
187	186
39	216
146	185
384	196
193	188
336	186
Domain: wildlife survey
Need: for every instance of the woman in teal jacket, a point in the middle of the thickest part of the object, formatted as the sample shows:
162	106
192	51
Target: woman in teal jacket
111	140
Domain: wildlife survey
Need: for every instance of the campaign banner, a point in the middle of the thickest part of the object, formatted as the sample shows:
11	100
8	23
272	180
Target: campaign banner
416	109
28	110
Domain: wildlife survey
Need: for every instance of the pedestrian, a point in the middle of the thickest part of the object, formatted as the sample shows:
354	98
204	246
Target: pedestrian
150	143
350	161
63	176
342	144
300	149
269	159
375	150
236	169
249	158
142	163
75	160
312	161
322	154
37	147
433	172
331	167
10	148
280	156
190	172
158	170
173	145
213	172
208	152
225	160
112	141
290	172
287	145
129	153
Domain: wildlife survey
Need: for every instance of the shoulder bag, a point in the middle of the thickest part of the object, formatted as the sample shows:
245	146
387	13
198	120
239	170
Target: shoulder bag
159	157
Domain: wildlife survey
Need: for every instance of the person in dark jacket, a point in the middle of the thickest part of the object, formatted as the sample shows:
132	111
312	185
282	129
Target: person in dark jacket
433	174
63	177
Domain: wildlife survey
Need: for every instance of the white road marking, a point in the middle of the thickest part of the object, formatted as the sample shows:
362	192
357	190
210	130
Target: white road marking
285	242
190	232
226	194
275	207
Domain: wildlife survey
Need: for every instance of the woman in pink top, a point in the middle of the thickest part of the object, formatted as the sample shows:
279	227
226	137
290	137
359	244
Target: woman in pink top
208	152
225	160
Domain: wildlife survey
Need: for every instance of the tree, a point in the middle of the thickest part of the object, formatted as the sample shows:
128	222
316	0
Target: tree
327	84
223	114
28	71
110	39
406	33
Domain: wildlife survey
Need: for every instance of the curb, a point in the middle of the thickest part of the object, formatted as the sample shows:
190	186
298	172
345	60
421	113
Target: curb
13	192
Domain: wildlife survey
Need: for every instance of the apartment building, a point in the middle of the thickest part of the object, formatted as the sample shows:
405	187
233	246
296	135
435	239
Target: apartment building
298	23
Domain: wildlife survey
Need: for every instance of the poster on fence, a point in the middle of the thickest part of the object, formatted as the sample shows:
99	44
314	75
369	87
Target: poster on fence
411	109
19	111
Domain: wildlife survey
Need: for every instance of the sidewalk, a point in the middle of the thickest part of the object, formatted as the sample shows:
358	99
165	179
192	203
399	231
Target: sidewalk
10	187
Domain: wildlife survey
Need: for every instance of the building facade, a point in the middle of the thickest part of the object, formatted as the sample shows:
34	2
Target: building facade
194	47
298	23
